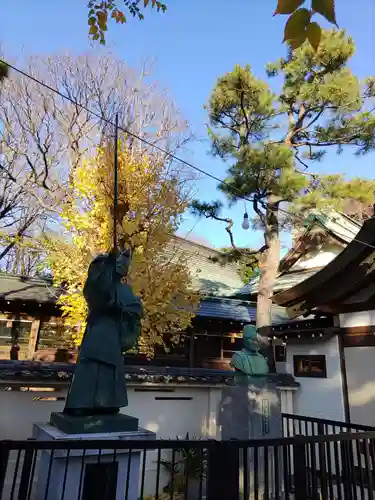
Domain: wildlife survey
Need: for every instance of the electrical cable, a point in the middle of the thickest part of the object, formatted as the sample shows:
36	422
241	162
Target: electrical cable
125	130
153	145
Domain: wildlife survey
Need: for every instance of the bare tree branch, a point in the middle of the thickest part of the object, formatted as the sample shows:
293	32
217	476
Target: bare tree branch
44	137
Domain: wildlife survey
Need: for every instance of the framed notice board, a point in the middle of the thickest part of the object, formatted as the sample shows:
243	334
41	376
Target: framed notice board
313	366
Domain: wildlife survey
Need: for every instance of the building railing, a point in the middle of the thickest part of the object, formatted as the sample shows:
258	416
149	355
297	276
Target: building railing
302	467
299	425
336	458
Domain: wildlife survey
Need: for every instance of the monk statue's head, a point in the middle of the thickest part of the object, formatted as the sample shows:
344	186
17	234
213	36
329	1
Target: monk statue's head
250	338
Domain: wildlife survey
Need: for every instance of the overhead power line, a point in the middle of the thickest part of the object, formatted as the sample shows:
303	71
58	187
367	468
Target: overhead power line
126	131
151	144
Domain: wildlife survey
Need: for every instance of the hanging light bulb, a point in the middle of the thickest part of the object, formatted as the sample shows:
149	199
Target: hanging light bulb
245	223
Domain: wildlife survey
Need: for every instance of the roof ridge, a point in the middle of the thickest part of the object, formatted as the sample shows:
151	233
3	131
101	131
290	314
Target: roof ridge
21	277
314	217
182	239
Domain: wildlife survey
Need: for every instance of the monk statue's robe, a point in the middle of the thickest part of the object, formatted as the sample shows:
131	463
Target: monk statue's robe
113	326
249	360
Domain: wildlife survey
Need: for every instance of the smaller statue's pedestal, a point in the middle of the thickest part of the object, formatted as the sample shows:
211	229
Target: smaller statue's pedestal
85	474
251	410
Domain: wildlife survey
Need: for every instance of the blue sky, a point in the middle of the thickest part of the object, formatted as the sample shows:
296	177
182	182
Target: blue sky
193	43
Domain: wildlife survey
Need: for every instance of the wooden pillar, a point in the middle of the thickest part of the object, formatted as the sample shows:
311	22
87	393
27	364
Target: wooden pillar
344	378
191	350
35	325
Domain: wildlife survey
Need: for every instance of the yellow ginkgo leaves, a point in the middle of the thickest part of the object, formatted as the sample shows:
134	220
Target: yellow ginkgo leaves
150	204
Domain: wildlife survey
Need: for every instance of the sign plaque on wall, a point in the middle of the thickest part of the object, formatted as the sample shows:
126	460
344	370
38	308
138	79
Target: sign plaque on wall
313	366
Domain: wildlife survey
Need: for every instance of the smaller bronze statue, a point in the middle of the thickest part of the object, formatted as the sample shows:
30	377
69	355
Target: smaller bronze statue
249	360
97	390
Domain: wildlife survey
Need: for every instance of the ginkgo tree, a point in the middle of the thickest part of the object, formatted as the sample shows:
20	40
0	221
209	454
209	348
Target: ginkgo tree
151	200
298	28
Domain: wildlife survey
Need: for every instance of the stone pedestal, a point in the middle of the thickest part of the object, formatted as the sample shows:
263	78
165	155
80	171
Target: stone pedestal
88	474
251	409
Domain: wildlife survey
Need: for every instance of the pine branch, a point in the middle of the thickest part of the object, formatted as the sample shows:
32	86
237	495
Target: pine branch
245	117
228	229
211	211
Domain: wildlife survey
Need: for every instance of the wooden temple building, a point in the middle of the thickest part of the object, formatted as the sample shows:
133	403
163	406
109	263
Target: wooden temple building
30	315
324	313
321	239
31	318
337	367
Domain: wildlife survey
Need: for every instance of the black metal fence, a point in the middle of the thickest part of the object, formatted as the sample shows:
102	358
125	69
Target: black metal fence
315	466
298	425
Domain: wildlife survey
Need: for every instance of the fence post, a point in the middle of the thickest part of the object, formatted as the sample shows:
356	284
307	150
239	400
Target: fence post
4	458
322	464
223	481
346	465
26	479
301	484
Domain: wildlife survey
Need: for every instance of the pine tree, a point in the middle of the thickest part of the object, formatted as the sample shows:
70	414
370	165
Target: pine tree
272	141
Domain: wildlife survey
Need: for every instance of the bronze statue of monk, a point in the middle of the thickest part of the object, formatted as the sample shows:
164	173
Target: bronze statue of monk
113	326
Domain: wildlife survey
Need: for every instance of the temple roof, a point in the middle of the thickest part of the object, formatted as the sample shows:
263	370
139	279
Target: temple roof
27	289
324	236
40	291
209	277
344	284
239	310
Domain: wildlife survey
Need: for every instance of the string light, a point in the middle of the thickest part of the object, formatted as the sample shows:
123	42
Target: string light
245	223
156	147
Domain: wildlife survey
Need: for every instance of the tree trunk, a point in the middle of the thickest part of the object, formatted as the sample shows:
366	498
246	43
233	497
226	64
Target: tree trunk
268	267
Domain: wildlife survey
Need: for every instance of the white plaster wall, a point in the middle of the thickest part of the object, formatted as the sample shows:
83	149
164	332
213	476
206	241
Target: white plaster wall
168	418
319	397
195	414
363	318
187	409
174	416
317	258
360	369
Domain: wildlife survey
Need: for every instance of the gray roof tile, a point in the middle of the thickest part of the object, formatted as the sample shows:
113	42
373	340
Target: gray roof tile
27	289
283	282
230	309
28	372
210	278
